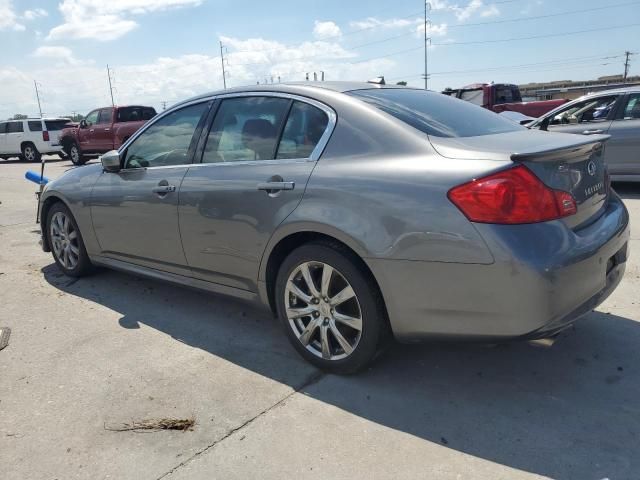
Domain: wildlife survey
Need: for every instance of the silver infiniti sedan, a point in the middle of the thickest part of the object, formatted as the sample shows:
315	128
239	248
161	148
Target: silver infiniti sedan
612	112
355	213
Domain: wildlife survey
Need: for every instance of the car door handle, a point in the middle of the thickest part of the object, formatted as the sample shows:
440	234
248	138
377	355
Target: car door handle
160	189
592	132
276	186
107	129
91	130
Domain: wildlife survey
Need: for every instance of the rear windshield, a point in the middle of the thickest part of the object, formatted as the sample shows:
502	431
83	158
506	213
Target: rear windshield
54	125
436	114
135	114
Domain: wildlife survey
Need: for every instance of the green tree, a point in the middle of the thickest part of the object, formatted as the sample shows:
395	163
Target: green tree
403	83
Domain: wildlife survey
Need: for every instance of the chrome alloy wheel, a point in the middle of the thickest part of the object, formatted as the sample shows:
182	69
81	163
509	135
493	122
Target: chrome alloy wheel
74	153
327	320
64	240
29	153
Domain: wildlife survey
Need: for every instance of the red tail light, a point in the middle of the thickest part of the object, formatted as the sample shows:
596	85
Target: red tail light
45	136
511	196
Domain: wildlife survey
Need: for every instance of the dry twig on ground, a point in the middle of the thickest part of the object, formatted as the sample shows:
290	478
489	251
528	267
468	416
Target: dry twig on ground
155	425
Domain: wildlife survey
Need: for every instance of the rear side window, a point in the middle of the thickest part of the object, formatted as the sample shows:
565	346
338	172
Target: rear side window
436	114
35	126
3	128
15	127
507	94
135	114
303	131
474	96
245	129
55	125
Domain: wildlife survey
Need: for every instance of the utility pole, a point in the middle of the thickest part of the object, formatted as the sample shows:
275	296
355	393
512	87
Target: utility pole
626	65
164	105
113	104
38	97
224	74
427	40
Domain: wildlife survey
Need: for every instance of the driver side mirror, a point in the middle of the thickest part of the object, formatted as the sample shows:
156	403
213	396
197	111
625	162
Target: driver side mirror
83	123
111	161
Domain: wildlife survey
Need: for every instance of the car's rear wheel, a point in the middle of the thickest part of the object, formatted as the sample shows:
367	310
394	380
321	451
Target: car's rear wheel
75	154
30	153
330	309
66	242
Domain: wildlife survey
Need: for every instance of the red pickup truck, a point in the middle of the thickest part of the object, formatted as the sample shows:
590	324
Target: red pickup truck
501	97
102	130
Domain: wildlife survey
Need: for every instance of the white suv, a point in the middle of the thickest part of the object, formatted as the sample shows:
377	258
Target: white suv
29	138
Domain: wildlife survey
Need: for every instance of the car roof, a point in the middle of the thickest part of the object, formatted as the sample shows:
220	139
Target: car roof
295	87
633	89
34	119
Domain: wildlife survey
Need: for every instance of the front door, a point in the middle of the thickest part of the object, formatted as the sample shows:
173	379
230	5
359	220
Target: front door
622	151
588	117
100	133
258	157
85	133
135	211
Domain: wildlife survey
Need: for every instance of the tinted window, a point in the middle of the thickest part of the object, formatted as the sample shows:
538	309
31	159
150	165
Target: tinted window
92	117
3	128
302	132
55	125
245	128
585	111
135	114
436	114
632	109
15	127
104	116
35	126
167	141
507	94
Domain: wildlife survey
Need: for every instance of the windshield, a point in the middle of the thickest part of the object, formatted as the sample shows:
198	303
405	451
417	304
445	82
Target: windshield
436	114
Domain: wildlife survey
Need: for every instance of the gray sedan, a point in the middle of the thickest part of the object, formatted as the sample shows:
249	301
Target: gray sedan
355	213
614	112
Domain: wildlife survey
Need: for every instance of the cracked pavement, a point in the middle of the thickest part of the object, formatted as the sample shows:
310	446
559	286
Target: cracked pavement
114	348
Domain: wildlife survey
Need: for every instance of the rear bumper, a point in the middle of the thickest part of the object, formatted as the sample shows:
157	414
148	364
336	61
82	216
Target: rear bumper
545	276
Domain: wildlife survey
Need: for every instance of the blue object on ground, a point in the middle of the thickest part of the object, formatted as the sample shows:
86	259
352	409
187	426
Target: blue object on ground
36	178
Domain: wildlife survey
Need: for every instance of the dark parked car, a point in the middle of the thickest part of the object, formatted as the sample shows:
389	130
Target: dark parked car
353	212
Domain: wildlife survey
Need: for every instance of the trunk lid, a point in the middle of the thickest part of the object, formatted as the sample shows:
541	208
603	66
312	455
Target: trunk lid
571	163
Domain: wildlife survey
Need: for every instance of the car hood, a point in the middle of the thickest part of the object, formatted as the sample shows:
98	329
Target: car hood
503	146
75	178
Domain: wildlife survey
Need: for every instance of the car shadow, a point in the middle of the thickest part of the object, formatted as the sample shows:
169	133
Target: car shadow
568	412
627	190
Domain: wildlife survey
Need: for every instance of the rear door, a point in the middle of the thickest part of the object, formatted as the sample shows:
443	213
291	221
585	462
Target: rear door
623	148
15	136
3	137
256	161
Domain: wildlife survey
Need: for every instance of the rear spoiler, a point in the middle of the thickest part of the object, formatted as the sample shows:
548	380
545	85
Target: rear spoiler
575	151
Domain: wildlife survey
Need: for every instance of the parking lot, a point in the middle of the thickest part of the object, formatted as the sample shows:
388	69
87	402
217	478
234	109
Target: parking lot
86	355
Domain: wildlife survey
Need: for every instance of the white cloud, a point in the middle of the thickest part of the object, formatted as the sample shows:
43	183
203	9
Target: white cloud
434	30
63	54
8	17
372	22
463	13
491	11
106	20
326	30
34	14
69	84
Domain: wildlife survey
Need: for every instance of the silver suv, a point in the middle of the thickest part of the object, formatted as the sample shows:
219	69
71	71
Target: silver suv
28	139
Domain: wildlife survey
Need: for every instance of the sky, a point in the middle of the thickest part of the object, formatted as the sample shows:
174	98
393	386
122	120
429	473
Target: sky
168	50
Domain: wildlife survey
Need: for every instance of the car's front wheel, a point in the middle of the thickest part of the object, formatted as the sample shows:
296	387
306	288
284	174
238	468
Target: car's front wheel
331	309
66	242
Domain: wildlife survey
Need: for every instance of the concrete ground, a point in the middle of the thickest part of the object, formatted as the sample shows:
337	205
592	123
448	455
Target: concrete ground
87	355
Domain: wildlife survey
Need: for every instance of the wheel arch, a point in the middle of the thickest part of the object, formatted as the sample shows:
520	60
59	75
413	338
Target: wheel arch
45	207
286	243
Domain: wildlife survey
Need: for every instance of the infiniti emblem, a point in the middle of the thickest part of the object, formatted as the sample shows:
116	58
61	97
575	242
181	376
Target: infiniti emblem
591	168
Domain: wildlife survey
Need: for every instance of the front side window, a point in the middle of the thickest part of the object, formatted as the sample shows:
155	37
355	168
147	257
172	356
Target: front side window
35	126
245	129
632	108
104	116
167	141
92	118
15	127
302	132
585	111
436	114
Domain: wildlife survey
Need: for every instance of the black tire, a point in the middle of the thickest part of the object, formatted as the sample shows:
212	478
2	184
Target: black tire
83	265
371	306
75	154
30	153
